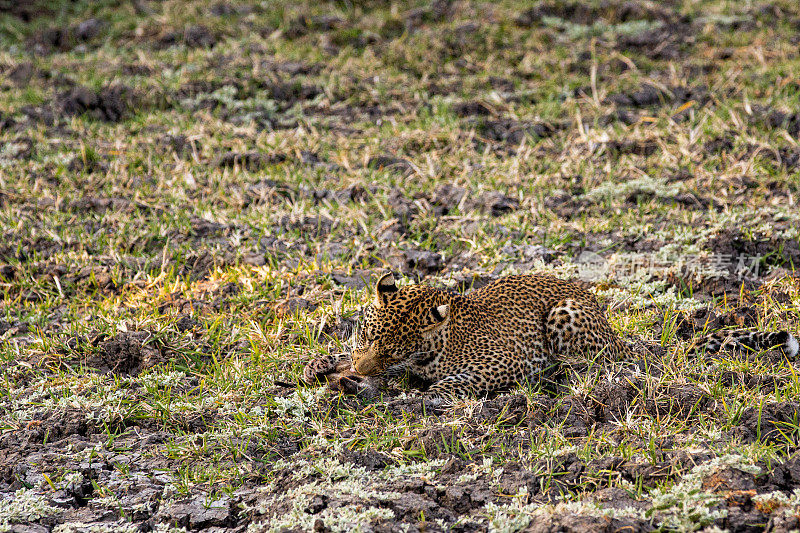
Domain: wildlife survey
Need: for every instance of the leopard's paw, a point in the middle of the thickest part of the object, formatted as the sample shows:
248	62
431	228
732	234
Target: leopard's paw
433	399
316	370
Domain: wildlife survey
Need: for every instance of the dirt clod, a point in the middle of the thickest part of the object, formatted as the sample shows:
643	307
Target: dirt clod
127	354
110	104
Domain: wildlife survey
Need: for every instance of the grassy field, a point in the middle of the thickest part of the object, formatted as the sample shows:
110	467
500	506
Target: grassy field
194	196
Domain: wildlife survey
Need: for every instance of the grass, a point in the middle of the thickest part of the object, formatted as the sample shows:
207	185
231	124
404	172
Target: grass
158	302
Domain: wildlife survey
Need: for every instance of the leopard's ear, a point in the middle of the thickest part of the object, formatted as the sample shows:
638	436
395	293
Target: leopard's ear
384	289
437	317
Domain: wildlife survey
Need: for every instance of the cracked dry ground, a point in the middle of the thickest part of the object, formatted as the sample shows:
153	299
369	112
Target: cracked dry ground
194	196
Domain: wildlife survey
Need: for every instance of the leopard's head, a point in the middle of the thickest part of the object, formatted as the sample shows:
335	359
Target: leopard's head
401	324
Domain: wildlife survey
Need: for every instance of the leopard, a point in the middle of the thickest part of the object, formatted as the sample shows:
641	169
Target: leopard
494	338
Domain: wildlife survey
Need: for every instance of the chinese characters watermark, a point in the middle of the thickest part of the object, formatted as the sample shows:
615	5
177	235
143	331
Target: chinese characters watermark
593	266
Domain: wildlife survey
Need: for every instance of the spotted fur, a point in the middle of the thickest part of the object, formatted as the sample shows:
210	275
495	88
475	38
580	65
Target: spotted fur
496	337
491	339
741	340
